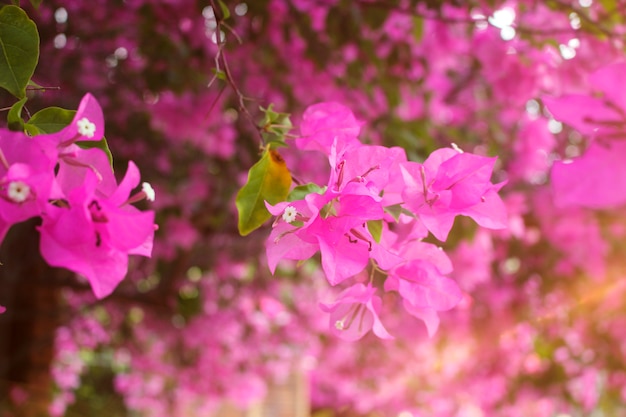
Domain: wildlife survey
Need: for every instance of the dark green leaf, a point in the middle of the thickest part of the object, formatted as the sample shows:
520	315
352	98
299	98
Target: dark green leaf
19	50
14	118
101	144
49	120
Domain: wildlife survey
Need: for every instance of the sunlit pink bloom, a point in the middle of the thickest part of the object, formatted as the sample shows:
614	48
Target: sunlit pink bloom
451	183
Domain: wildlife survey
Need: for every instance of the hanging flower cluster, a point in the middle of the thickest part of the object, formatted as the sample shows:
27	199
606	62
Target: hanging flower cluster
375	211
88	225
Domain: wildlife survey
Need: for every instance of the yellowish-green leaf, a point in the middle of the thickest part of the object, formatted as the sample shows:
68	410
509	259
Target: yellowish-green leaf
375	228
301	191
268	180
224	9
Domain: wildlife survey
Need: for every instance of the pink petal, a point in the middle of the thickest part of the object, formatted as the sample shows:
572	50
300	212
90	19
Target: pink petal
428	315
597	179
490	212
103	267
323	122
90	108
130	181
342	259
424	287
281	245
579	111
607	78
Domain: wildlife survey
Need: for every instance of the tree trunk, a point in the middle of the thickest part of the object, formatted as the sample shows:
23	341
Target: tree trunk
30	292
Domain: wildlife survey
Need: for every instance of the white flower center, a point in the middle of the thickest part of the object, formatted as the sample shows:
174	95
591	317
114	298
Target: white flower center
86	128
18	191
148	191
289	214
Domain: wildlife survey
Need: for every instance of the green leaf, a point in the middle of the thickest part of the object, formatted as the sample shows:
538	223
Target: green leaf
14	118
268	180
395	210
219	74
53	119
49	120
418	28
19	50
275	126
224	8
375	228
35	3
301	191
101	144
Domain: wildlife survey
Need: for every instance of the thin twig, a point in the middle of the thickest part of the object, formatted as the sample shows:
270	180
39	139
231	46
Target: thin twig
225	68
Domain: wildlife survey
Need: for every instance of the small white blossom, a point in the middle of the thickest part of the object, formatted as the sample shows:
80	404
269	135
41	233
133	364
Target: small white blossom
148	191
456	147
18	191
289	214
339	325
86	128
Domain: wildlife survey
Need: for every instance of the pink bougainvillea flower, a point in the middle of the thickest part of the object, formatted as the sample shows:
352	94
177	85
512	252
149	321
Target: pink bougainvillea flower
93	235
87	124
2	309
452	183
284	241
26	176
422	283
424	286
355	312
324	123
376	168
333	225
74	162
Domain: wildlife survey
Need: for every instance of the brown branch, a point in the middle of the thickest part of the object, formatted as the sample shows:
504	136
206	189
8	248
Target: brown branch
220	57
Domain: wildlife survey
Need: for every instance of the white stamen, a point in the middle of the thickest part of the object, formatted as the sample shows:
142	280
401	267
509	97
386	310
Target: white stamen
148	190
339	325
86	128
289	215
18	191
456	147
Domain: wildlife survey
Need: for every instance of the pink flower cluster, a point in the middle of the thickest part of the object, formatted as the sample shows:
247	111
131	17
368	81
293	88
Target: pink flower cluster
88	223
375	211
